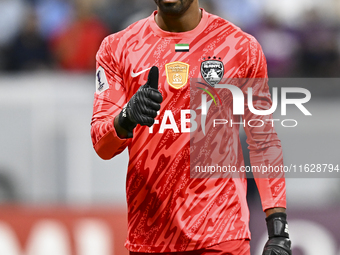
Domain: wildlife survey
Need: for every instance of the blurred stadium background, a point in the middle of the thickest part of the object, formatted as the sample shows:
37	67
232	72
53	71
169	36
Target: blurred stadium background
58	197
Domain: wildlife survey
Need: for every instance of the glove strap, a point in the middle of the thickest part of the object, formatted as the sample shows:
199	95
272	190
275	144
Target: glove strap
126	123
277	225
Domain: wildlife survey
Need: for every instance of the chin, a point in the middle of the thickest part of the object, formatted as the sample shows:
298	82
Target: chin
173	7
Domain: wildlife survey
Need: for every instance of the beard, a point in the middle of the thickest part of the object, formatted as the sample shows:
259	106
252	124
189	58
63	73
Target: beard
174	9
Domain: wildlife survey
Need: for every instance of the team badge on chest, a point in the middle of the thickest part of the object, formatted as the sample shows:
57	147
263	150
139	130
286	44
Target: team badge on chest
212	71
177	74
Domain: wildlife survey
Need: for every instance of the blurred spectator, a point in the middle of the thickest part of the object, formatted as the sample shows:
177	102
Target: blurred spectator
140	10
54	16
120	13
76	47
309	47
12	13
29	51
279	44
243	13
319	55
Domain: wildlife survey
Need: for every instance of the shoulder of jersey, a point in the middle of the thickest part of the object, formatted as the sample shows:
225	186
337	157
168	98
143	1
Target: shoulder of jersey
134	28
226	23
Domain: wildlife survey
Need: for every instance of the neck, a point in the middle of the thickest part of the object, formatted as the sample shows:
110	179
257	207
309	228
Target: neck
183	23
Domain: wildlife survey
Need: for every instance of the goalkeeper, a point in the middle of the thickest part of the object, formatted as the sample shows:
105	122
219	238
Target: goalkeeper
142	94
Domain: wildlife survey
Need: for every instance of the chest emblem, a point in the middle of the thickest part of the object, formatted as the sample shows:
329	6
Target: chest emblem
212	71
177	74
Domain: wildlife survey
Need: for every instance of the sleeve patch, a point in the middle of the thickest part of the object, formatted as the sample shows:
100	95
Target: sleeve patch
101	81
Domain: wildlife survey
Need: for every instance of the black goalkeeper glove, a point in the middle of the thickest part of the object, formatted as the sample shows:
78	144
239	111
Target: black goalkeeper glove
143	106
279	242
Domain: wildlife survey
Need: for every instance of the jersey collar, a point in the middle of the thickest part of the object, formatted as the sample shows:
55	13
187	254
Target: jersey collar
189	34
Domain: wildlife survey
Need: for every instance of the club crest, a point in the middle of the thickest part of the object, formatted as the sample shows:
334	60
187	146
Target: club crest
212	71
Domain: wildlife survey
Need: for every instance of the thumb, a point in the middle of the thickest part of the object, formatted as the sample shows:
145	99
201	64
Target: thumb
153	77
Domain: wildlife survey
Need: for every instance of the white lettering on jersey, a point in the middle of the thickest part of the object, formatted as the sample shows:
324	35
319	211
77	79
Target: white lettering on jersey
164	125
191	120
185	119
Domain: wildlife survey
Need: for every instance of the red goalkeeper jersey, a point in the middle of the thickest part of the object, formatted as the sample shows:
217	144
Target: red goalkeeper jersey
167	210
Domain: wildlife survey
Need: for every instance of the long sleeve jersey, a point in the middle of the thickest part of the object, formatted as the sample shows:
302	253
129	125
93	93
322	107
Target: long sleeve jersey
168	210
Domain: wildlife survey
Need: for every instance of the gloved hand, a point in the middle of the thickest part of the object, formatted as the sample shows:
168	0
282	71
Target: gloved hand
143	106
279	242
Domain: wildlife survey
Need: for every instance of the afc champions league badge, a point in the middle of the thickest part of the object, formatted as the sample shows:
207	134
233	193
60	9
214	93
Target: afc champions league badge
177	74
212	71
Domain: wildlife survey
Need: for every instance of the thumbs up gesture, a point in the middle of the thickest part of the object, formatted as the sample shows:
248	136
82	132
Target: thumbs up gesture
143	106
